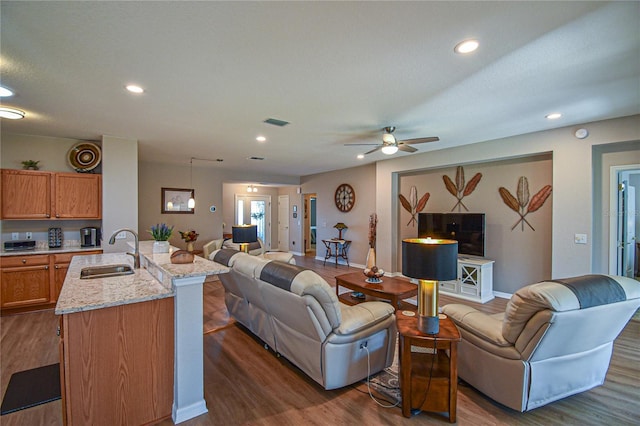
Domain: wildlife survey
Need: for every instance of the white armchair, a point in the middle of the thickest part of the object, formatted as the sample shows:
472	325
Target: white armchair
554	340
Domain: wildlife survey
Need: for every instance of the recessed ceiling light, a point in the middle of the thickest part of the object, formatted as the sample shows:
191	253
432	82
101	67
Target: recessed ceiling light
11	113
553	116
135	89
466	46
360	156
4	92
261	139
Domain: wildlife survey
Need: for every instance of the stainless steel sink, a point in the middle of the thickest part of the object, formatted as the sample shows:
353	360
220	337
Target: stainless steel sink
105	271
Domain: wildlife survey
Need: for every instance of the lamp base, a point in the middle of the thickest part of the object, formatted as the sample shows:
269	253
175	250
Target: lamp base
429	325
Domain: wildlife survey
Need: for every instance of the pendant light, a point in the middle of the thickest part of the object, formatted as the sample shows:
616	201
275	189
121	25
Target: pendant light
192	202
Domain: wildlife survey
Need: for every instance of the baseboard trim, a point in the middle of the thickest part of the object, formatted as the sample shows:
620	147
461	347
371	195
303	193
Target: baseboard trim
180	415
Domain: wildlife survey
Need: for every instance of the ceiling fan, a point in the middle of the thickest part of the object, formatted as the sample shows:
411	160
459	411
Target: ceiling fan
390	145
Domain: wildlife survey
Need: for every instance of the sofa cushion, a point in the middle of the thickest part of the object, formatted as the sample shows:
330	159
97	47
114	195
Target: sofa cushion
224	256
363	315
280	274
594	290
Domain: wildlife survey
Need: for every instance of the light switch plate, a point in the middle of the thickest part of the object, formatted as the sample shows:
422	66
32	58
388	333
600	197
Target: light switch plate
121	236
580	238
15	236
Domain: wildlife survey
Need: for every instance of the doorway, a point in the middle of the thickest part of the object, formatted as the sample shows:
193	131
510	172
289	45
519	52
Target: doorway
255	210
309	224
624	250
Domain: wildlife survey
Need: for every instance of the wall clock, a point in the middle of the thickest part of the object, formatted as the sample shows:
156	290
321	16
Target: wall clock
345	197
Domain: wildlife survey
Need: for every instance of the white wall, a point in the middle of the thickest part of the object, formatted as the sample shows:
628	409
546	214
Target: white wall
324	186
507	246
119	190
572	185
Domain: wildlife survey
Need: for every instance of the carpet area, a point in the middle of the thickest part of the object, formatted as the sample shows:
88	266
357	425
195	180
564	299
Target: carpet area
387	383
33	387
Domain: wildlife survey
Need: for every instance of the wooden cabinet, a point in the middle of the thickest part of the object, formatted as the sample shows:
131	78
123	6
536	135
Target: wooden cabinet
475	280
117	364
60	264
25	281
32	282
28	194
78	196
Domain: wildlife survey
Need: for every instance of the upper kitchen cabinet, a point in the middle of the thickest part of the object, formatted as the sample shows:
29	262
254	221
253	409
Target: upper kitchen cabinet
78	196
30	194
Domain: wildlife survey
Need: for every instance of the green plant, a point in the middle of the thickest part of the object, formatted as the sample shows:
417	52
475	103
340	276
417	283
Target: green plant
30	164
161	232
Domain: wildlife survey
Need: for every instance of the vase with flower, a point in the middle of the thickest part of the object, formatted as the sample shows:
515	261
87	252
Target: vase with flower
371	271
189	237
161	234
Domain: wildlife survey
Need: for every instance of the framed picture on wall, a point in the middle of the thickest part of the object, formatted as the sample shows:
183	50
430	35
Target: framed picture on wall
176	201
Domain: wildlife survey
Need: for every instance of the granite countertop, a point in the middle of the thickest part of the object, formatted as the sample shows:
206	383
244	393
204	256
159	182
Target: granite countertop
67	249
86	294
154	280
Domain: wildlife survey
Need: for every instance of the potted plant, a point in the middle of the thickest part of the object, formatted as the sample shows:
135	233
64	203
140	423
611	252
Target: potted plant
161	234
189	237
30	165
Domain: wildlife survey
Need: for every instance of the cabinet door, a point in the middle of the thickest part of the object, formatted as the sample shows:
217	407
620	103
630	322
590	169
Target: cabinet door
61	263
24	286
78	196
26	194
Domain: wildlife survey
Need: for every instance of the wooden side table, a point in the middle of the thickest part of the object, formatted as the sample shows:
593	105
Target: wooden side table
393	289
339	250
422	386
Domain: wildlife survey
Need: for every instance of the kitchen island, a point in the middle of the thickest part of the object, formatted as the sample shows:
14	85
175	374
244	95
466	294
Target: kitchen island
131	345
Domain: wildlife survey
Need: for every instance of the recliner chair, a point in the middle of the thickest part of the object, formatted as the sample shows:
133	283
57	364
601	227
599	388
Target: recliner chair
555	339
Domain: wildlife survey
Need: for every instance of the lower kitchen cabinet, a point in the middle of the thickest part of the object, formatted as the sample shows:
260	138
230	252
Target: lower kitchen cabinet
25	281
117	364
33	282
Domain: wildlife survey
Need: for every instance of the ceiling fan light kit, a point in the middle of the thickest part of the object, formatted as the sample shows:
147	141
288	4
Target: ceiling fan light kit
390	145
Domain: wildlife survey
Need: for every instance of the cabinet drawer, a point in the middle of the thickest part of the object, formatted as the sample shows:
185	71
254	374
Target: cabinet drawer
66	257
448	286
15	261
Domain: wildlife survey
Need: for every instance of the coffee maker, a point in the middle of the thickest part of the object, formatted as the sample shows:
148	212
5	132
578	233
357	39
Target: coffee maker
90	237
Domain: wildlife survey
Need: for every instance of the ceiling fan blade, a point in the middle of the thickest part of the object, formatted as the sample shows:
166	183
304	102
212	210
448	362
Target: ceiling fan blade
406	148
421	140
357	144
373	150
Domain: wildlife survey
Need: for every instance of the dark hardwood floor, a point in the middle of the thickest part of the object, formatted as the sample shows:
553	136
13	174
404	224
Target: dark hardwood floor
246	384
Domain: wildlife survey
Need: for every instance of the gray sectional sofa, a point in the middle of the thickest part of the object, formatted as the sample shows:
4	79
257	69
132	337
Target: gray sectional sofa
297	313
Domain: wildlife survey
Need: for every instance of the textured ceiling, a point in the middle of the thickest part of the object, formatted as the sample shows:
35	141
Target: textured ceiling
337	71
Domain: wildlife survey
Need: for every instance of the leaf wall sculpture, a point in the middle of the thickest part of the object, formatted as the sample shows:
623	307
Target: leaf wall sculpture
522	204
414	206
458	188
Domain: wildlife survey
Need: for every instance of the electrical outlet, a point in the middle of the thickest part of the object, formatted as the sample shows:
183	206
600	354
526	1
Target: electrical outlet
580	238
363	344
29	235
121	236
15	236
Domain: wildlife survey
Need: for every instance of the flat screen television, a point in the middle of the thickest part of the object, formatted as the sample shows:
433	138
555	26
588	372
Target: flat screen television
466	228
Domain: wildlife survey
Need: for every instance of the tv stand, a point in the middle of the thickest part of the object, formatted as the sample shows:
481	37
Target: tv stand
475	280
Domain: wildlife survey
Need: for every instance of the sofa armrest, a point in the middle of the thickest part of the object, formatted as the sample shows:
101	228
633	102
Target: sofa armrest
210	247
486	327
362	315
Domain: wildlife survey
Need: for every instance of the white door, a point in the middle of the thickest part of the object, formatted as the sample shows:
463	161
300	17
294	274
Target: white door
626	228
255	210
283	222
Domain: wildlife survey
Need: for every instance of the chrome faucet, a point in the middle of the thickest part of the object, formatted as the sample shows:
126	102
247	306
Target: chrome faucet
136	253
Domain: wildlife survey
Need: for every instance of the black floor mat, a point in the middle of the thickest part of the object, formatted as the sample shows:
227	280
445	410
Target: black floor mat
31	387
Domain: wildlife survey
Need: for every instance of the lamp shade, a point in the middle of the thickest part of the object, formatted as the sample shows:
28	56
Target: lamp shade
245	233
430	259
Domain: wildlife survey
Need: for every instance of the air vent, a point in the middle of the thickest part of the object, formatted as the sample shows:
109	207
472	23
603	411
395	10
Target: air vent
256	158
276	122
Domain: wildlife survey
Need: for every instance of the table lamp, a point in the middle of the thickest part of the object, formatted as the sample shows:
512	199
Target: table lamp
429	261
243	235
340	227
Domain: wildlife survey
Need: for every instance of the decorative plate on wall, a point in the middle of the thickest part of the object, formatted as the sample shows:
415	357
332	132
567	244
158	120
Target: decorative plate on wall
84	156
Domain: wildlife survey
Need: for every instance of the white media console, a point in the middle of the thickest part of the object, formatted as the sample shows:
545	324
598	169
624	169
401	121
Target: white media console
475	280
